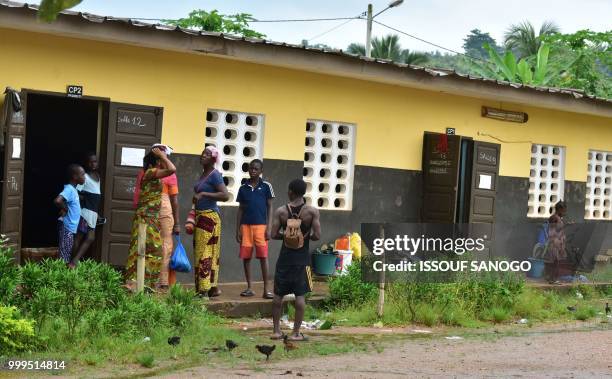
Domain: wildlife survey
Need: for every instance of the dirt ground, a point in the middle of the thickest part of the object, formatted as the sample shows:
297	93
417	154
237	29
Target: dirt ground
539	353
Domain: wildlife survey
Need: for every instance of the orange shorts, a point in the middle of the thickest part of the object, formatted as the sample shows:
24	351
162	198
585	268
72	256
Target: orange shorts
253	236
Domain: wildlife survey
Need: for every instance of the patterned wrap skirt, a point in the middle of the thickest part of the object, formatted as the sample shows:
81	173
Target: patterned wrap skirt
207	249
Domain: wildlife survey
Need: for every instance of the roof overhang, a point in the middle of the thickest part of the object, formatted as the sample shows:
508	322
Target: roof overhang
122	31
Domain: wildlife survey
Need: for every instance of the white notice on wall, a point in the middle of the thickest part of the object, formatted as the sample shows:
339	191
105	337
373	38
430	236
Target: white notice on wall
484	182
16	148
131	156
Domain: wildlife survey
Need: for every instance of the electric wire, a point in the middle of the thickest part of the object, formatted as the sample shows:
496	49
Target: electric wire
429	43
334	28
261	21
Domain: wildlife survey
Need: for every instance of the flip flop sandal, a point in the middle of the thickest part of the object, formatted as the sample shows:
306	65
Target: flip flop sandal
202	295
247	293
302	338
276	338
268	295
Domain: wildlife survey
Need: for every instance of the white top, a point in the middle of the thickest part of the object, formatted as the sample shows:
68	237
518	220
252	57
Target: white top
91	185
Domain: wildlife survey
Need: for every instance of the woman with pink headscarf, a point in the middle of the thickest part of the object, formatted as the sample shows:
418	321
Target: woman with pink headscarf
209	189
168	218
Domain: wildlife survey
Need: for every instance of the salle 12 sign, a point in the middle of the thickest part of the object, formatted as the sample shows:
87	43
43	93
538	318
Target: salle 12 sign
74	91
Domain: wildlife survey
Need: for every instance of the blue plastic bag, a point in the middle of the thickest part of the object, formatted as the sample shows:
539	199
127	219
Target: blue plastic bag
179	261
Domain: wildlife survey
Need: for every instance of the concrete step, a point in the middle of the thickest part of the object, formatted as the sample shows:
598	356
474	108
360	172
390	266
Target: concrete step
231	304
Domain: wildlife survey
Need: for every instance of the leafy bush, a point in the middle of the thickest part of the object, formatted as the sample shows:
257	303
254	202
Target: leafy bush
9	274
16	334
426	314
585	313
146	360
349	289
496	314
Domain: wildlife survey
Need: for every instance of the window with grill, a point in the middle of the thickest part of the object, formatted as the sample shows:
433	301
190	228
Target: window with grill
239	138
546	179
598	204
329	164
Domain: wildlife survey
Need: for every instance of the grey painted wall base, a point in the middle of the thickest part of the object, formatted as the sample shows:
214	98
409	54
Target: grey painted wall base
381	195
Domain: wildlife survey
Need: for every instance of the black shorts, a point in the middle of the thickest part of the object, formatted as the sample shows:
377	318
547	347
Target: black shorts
295	280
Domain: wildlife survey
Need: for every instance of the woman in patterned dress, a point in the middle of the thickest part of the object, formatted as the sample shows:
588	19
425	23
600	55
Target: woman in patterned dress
209	189
555	251
156	166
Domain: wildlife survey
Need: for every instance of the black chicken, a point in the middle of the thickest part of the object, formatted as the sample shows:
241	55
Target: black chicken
174	340
608	311
231	345
266	350
571	308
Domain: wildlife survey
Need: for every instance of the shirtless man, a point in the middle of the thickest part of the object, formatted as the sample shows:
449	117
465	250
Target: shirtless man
292	274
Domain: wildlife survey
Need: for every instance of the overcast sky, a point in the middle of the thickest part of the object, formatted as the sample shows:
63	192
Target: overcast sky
444	22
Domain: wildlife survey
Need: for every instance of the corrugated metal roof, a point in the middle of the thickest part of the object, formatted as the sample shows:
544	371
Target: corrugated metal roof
575	93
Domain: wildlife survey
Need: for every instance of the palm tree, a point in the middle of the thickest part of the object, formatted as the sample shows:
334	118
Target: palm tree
356	49
387	47
414	57
521	38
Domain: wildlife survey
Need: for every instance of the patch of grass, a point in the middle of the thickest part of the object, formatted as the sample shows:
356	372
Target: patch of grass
531	304
146	360
454	317
426	314
584	313
92	359
496	315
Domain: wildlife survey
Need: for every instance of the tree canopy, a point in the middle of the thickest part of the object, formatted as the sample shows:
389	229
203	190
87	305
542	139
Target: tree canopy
522	39
473	43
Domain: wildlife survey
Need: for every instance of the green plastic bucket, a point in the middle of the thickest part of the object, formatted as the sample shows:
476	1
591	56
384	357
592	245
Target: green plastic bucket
324	264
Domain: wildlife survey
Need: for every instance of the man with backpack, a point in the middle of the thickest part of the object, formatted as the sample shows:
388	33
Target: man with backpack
299	224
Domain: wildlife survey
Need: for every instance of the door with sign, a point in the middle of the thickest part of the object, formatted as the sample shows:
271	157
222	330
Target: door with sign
12	168
132	129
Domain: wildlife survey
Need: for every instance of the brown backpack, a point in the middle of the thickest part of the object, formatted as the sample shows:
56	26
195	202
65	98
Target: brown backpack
294	238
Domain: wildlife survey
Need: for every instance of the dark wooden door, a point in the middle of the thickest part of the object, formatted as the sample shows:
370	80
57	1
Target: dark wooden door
13	167
440	177
131	132
485	170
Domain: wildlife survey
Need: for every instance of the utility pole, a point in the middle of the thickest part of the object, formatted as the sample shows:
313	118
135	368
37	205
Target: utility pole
368	46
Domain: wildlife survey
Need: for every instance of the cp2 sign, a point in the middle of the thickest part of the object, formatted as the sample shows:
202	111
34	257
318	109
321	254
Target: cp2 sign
74	91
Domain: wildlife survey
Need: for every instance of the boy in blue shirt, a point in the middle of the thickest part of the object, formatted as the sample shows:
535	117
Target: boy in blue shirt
253	224
70	211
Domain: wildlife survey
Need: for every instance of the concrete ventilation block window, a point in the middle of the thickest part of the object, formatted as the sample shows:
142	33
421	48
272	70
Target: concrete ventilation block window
329	156
598	204
546	179
239	138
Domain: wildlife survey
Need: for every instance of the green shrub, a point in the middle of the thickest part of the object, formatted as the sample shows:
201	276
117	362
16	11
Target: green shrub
10	275
426	314
181	296
350	290
454	316
496	314
16	333
146	360
584	313
531	304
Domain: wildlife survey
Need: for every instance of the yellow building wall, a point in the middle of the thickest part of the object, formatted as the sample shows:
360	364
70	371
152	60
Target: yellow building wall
390	119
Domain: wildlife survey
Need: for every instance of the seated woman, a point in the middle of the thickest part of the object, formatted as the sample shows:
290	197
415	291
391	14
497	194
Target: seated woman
156	166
